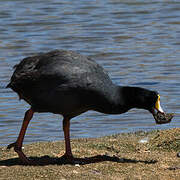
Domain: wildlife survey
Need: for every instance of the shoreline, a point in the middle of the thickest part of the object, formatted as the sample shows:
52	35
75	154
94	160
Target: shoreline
137	155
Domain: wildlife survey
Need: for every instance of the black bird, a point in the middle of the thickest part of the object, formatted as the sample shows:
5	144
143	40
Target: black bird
67	83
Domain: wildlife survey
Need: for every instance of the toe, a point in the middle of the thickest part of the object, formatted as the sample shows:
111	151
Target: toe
11	145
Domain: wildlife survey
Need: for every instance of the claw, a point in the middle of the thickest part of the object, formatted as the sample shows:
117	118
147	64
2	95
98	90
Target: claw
11	145
21	155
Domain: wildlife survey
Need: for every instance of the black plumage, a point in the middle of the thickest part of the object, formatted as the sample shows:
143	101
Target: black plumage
67	83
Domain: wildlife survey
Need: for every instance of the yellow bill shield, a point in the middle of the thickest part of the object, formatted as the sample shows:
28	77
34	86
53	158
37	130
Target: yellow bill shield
158	106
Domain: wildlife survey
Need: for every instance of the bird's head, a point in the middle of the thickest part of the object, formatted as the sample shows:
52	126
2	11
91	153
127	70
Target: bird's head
149	100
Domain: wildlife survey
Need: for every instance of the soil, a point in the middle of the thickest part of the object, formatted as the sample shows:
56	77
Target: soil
140	155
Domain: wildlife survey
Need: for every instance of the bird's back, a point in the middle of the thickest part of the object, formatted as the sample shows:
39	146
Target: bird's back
43	79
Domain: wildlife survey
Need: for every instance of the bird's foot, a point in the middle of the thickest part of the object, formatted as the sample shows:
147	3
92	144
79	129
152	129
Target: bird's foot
12	145
16	147
25	160
21	155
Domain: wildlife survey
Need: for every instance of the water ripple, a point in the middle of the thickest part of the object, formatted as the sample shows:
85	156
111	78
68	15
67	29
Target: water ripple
136	41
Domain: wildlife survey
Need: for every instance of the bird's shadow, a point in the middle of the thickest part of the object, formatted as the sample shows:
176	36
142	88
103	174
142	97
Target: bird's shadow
47	160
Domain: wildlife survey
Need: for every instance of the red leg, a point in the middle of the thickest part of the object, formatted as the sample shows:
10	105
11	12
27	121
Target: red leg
68	152
18	144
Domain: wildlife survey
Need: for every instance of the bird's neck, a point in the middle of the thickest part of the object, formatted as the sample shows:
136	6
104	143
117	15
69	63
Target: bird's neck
122	99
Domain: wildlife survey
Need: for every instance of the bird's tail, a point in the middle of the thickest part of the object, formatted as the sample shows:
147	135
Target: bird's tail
9	85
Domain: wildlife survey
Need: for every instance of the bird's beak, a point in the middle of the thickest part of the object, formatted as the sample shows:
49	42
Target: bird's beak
158	105
159	115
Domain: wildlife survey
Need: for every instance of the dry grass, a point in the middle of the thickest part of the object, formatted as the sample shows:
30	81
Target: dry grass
121	156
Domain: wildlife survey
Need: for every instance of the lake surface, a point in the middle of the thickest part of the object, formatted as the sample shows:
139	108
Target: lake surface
136	41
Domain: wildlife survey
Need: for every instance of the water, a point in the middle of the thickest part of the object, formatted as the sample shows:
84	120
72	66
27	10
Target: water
136	41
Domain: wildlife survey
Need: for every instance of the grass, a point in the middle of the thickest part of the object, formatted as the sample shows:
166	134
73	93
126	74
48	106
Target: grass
121	156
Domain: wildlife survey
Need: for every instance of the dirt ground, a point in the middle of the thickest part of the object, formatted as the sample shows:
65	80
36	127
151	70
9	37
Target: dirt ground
139	155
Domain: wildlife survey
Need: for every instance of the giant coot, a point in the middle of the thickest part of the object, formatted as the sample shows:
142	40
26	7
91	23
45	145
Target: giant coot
67	83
